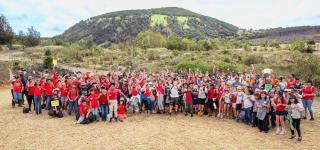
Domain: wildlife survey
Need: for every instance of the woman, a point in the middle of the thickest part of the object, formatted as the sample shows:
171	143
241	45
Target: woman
295	109
30	96
280	103
227	102
262	113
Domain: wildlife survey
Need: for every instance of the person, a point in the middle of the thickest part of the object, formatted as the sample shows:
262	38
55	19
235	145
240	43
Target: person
160	96
30	94
295	109
241	96
17	91
103	101
55	105
247	107
212	96
308	93
94	104
262	113
84	111
113	102
189	102
121	112
280	103
174	97
37	91
202	97
73	95
48	91
227	103
64	96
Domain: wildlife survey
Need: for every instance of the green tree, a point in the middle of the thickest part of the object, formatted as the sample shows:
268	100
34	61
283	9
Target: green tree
150	39
6	32
175	43
32	37
298	45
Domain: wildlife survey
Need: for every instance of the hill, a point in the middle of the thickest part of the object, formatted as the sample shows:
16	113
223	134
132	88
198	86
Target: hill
287	34
119	26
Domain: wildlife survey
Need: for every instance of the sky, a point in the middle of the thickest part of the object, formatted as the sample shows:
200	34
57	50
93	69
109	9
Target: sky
53	17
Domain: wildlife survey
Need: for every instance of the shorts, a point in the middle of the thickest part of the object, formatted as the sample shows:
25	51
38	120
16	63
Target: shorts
280	113
202	101
195	101
210	104
174	100
64	99
146	104
234	105
238	106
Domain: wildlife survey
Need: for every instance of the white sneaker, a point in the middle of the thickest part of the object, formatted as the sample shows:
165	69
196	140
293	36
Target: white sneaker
278	130
218	115
282	131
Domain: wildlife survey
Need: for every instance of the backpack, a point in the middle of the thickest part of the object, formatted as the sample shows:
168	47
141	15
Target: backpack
25	110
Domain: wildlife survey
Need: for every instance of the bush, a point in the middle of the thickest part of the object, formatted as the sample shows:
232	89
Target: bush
48	62
32	38
307	68
194	66
153	55
297	45
253	59
150	39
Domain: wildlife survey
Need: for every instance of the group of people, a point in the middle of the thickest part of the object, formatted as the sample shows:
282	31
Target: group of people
262	101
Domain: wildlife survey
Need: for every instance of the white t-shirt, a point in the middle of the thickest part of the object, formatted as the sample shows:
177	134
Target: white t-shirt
295	110
174	91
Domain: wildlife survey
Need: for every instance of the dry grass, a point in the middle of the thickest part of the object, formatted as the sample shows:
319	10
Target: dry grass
28	131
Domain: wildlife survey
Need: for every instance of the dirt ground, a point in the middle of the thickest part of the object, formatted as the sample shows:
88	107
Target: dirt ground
28	131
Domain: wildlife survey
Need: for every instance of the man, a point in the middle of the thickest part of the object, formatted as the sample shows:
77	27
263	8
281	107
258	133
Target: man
308	93
174	97
113	102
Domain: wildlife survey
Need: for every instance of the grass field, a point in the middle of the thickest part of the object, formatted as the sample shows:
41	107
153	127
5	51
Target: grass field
28	131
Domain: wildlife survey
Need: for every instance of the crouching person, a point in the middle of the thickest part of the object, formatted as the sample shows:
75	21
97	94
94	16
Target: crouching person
55	106
84	111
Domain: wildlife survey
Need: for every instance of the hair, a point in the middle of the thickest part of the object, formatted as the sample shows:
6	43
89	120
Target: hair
295	99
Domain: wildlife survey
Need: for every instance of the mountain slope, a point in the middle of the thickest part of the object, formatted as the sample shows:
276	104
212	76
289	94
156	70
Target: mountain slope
119	26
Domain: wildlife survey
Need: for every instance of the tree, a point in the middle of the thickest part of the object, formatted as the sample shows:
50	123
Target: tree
6	32
175	43
150	39
298	45
32	37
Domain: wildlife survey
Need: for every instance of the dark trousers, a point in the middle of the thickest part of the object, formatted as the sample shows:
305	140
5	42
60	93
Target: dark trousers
263	124
255	119
30	99
296	125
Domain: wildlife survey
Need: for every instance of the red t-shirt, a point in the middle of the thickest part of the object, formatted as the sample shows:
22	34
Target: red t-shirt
189	97
83	109
212	94
121	109
220	92
233	98
31	90
103	99
280	108
63	92
49	89
93	99
160	89
17	86
37	91
308	90
147	92
73	95
134	91
113	94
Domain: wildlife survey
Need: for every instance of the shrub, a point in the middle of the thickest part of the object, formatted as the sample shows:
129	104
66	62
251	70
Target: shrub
153	55
48	62
307	68
297	45
194	66
253	59
150	39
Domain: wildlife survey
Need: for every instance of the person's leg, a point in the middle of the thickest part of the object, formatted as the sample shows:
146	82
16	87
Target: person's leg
48	101
265	123
70	106
103	111
304	102
76	108
278	124
309	106
36	105
281	119
298	126
160	102
80	120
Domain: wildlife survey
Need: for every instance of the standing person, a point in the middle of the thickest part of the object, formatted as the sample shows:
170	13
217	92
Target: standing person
262	113
17	91
227	102
202	97
73	96
37	91
280	103
113	102
64	96
308	93
212	94
160	95
189	102
104	100
135	98
174	97
48	91
220	100
94	104
30	94
247	107
239	102
295	109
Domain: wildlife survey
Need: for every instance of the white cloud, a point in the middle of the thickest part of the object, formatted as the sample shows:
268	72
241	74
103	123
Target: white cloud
49	15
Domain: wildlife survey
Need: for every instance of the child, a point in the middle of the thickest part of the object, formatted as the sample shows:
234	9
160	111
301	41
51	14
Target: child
55	105
280	103
84	111
37	90
239	102
295	109
63	96
104	107
121	113
189	103
94	104
262	113
227	102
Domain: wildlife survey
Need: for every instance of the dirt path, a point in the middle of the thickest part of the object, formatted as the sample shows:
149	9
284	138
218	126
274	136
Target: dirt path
28	131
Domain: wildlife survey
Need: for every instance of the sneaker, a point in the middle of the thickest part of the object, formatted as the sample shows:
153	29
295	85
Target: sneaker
282	131
292	137
191	115
312	119
304	117
278	130
299	139
110	120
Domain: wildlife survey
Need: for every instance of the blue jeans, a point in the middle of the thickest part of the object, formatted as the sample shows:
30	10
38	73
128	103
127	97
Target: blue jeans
95	112
73	104
248	114
17	97
104	110
37	104
307	104
48	102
